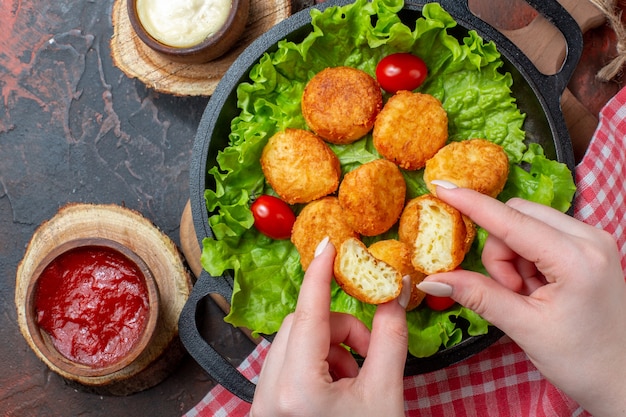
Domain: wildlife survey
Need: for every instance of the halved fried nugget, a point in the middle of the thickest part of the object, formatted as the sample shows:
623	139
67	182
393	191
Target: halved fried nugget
340	104
300	166
476	163
410	129
398	255
363	276
372	197
437	233
318	219
409	221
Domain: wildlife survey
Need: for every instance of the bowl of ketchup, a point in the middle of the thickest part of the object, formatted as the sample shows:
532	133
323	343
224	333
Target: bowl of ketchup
92	306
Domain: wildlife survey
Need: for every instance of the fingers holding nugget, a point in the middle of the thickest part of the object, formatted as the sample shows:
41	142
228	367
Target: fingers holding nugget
364	276
437	232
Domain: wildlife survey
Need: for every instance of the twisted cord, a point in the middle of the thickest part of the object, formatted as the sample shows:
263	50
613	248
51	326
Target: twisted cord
614	17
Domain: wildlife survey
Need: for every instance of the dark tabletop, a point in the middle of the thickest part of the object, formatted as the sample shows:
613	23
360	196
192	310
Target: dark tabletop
74	128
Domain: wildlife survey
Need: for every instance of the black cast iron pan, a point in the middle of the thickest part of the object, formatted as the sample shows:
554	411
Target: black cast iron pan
538	96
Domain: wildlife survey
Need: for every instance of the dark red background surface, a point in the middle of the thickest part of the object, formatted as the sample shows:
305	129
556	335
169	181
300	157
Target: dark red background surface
73	128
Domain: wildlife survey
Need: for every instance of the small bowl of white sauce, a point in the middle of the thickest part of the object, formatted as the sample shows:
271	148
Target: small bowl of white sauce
192	31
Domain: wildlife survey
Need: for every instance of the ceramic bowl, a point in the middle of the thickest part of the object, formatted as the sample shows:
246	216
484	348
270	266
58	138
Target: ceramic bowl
206	50
43	341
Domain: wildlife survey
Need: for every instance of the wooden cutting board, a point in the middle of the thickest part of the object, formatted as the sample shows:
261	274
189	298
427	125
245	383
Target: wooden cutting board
542	43
133	231
545	46
192	252
161	74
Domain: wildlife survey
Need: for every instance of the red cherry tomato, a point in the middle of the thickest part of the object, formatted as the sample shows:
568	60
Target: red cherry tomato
401	71
439	303
272	217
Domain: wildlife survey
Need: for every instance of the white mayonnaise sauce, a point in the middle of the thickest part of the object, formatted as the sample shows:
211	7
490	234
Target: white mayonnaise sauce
182	23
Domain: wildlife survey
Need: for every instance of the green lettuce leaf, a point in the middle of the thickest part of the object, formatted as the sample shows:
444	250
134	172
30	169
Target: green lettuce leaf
464	75
546	181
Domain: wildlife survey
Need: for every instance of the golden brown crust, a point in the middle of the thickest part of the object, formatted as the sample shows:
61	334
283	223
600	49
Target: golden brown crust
398	255
408	223
372	197
363	276
395	253
318	219
470	232
417	296
340	104
300	166
476	163
410	129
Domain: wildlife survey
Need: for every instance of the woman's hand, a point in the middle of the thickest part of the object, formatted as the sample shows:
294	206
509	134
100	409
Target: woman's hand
558	290
308	372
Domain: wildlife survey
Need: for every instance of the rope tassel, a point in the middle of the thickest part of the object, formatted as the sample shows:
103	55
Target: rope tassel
614	17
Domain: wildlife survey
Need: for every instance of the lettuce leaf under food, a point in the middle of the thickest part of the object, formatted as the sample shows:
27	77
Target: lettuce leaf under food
545	181
464	74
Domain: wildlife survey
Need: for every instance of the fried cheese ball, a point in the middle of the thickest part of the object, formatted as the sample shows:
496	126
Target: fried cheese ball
476	163
363	276
398	255
372	197
340	104
300	166
437	232
318	219
410	129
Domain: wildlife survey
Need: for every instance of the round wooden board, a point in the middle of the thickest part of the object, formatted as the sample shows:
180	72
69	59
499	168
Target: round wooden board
161	74
134	231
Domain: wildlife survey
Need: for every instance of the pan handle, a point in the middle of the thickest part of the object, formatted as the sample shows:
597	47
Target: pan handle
216	365
555	13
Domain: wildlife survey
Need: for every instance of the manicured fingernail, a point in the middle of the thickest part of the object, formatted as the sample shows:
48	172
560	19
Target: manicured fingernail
438	289
321	246
405	294
444	184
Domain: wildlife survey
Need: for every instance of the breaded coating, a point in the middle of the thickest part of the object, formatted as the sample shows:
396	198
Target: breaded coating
437	233
372	197
363	276
408	223
300	166
410	129
340	104
318	219
398	255
476	163
470	232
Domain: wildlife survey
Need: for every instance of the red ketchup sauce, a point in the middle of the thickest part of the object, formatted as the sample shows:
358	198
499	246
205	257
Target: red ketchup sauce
93	302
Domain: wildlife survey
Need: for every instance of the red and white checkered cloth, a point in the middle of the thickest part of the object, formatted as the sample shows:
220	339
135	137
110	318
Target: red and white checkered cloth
499	381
